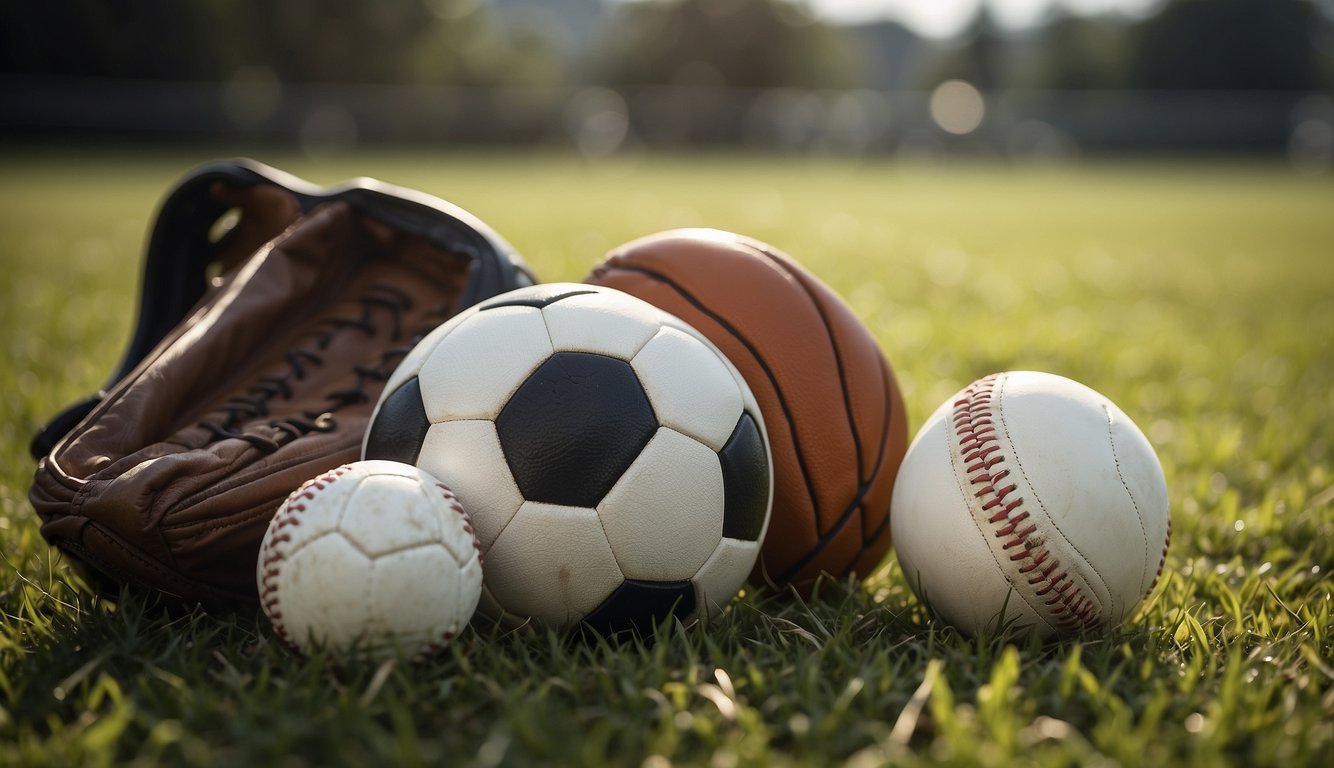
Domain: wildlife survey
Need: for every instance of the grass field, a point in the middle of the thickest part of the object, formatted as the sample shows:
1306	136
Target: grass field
1199	297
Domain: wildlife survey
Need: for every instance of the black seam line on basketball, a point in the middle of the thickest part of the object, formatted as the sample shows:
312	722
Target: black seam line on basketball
870	537
822	540
856	503
736	334
864	481
866	544
833	346
867	540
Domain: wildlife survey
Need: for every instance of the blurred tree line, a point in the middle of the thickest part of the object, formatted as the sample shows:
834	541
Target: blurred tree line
299	41
1189	44
1201	45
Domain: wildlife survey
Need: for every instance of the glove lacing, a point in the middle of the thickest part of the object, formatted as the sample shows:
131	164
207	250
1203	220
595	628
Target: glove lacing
266	388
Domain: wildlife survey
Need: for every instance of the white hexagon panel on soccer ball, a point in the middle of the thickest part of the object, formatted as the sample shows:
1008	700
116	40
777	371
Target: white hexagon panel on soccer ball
473	371
420	594
747	397
722	575
391	512
601	321
664	517
552	564
466	456
412	362
324	590
690	387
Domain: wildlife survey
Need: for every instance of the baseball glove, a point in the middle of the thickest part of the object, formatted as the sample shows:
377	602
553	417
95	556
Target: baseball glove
272	312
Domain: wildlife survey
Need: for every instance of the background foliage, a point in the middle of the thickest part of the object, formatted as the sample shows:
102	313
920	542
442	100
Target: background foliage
1188	45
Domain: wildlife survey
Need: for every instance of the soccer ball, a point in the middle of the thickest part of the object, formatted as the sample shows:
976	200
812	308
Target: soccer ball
374	556
614	462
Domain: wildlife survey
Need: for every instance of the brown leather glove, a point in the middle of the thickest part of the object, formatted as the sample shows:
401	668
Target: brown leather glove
170	480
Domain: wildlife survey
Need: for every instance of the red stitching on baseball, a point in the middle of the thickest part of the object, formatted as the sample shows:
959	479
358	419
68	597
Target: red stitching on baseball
288	515
1014	522
976	431
1167	542
457	506
1045	573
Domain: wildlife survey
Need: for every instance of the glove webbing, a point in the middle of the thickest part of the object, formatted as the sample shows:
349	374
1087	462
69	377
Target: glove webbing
380	296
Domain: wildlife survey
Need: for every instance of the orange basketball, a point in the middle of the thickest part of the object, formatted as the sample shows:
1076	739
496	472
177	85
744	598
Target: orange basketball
836	421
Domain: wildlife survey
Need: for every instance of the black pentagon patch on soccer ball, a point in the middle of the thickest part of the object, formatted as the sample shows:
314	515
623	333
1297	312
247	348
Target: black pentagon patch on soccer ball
573	427
639	606
400	425
537	302
745	465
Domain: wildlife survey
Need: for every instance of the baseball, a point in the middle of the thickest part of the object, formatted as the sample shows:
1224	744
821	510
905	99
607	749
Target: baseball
1030	503
374	557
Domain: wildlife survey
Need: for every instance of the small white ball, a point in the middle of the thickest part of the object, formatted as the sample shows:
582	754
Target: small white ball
374	556
1029	502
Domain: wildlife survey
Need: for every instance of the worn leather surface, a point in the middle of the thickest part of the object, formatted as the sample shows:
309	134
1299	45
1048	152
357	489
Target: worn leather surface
835	417
171	481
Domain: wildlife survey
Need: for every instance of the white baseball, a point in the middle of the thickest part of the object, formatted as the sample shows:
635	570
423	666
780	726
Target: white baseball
1029	502
375	556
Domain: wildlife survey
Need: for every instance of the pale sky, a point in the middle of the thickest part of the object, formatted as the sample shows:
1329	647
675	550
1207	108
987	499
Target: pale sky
941	18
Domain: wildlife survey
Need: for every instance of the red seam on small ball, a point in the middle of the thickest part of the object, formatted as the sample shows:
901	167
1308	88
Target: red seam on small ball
975	428
1167	542
457	506
288	515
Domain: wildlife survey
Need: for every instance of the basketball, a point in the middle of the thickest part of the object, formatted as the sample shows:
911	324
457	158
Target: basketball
836	420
